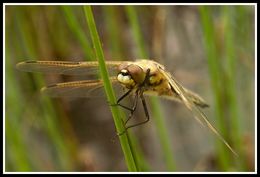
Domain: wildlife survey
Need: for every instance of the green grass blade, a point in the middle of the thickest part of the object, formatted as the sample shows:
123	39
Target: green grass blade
114	31
228	15
42	110
113	27
156	111
77	31
16	157
109	91
215	70
132	16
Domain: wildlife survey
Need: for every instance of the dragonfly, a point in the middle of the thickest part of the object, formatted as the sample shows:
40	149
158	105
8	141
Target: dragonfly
140	77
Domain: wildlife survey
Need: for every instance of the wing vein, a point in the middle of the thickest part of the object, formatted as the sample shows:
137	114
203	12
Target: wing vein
198	114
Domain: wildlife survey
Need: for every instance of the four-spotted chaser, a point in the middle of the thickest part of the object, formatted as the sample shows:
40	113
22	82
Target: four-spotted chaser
140	77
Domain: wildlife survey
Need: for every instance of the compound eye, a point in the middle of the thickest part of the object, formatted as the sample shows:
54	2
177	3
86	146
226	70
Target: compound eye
124	72
124	77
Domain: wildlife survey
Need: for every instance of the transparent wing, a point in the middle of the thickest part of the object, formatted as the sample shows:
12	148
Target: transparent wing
84	88
198	114
67	67
196	99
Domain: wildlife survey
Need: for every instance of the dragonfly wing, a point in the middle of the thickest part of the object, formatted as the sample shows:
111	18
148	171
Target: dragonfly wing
196	99
84	88
67	67
197	113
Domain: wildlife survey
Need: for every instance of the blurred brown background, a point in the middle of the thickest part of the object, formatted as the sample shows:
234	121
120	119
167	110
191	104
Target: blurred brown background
75	134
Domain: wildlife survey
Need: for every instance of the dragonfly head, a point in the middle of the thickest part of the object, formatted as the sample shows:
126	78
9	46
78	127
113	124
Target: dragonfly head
131	75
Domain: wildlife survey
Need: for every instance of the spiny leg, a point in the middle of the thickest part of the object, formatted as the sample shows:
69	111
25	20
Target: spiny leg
121	98
129	91
133	109
127	108
143	102
140	123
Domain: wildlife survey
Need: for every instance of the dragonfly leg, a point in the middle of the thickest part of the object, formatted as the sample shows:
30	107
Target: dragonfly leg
133	108
123	106
140	123
123	96
146	79
136	99
120	99
143	102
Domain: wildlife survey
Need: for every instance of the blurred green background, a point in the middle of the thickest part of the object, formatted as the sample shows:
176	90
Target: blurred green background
209	49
